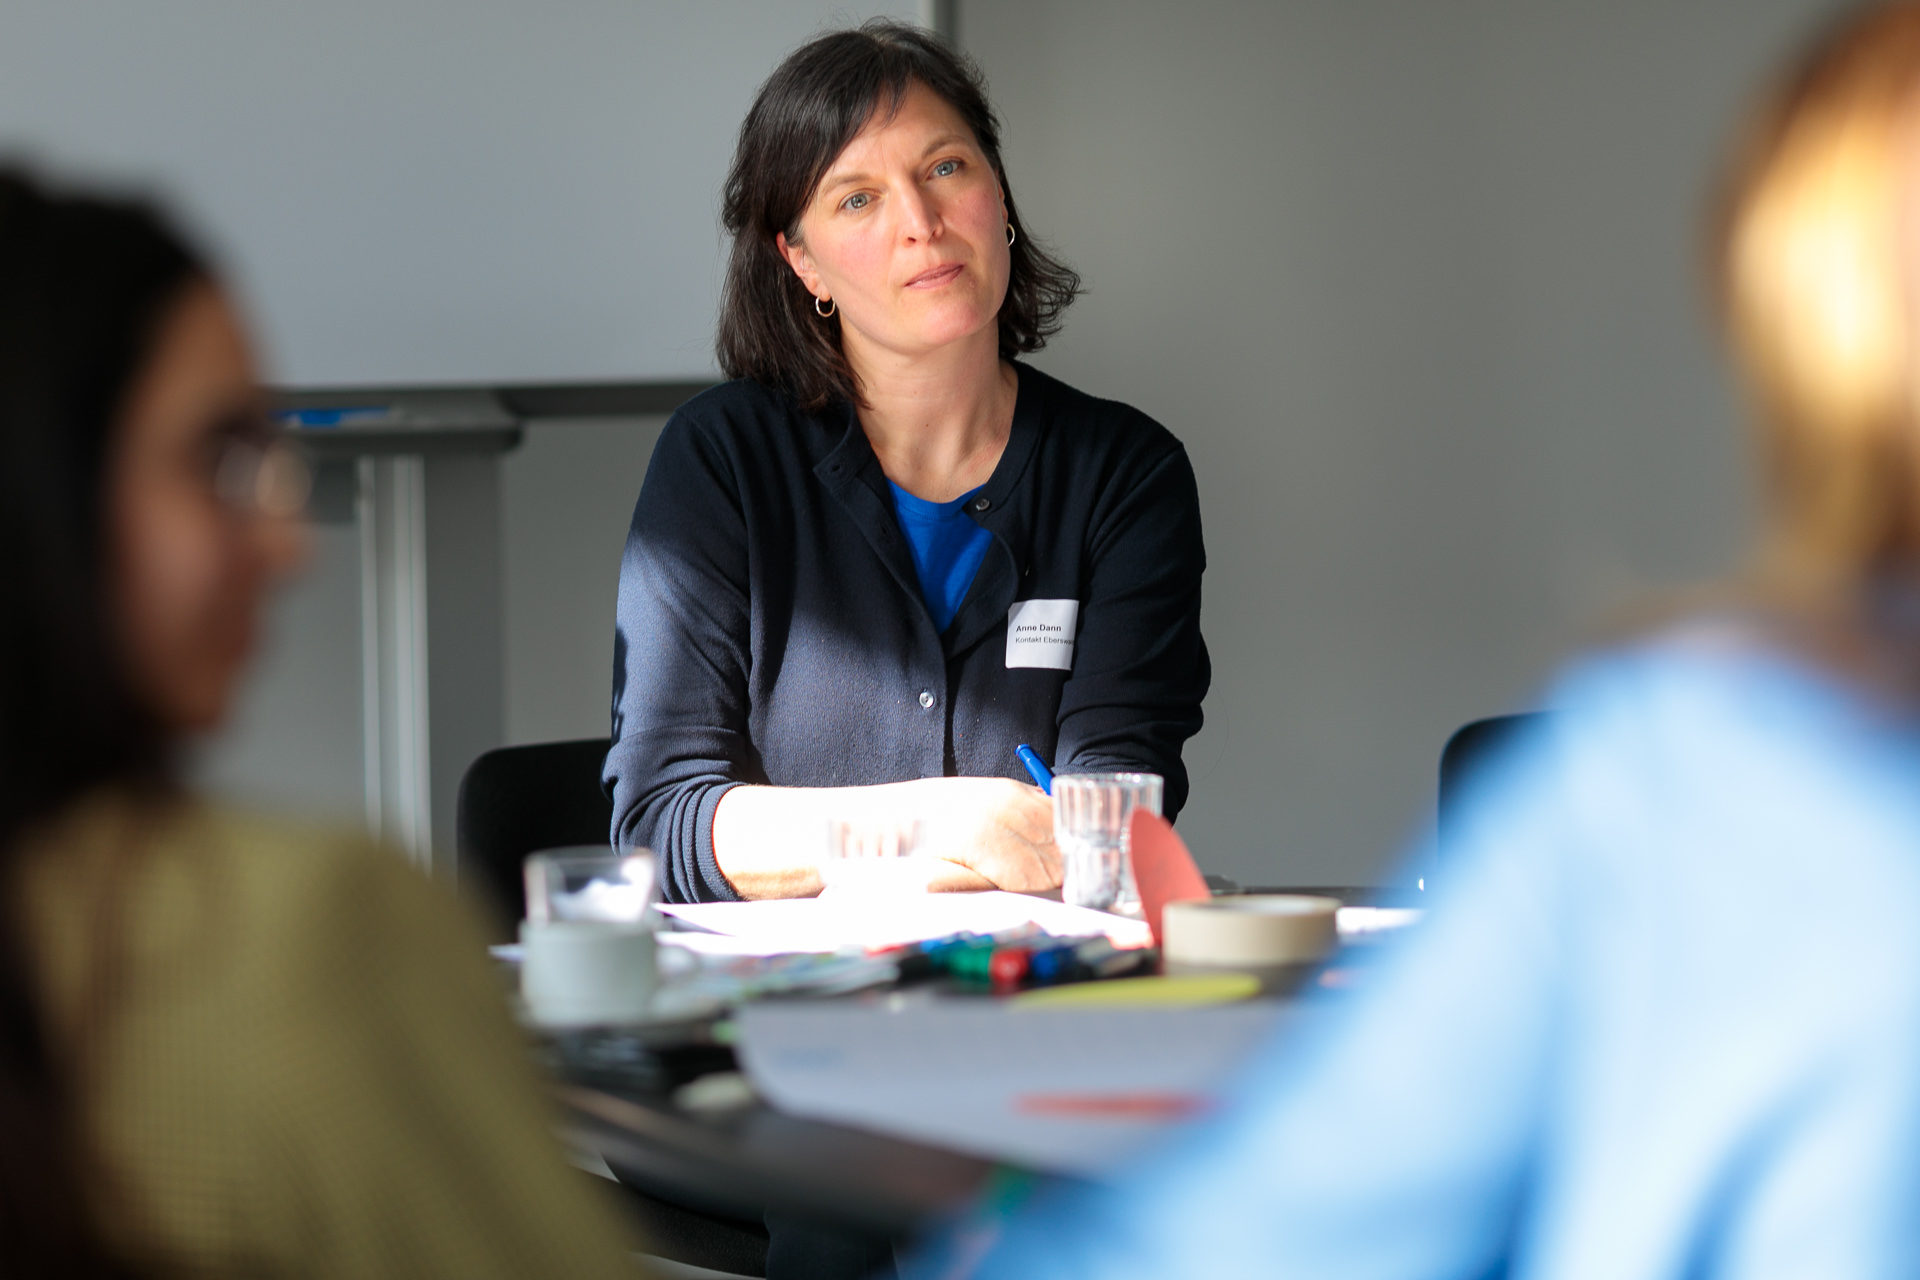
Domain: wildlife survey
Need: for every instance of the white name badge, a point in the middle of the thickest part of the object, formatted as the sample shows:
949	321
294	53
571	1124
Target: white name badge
1040	633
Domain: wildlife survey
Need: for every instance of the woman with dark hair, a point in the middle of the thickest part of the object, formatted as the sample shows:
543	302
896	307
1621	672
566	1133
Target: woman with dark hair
226	1047
886	554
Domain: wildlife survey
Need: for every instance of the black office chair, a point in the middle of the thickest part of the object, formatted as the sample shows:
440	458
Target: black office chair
519	800
1468	752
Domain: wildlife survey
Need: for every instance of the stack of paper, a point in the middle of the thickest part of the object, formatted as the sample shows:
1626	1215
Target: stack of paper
831	923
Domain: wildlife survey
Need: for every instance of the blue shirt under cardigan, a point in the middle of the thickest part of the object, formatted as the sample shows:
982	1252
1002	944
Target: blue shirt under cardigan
947	548
771	628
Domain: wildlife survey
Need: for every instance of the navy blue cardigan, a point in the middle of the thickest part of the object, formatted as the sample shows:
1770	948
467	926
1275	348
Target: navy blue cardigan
771	628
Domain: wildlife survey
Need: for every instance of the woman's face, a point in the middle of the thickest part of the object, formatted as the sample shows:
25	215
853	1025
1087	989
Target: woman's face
907	233
198	529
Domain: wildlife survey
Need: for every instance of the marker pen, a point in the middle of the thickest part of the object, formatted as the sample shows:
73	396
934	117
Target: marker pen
1036	767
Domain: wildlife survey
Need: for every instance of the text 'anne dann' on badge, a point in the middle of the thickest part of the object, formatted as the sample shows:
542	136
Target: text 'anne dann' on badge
1040	633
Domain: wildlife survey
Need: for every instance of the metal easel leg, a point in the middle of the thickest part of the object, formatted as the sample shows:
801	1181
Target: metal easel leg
391	510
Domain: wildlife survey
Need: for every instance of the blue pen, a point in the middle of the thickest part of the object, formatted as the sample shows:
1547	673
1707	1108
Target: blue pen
1036	767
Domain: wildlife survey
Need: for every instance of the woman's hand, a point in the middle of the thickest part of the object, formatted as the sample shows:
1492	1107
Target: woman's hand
997	831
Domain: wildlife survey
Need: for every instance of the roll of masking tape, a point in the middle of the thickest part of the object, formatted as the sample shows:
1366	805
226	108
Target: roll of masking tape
1262	930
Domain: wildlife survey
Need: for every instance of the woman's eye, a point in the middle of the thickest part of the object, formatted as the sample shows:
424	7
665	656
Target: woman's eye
946	168
856	202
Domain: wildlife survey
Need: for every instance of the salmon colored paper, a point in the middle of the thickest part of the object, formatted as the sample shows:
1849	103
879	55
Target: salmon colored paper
1162	867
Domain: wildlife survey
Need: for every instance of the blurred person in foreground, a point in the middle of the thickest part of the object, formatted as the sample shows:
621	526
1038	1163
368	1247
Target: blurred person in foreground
1666	1018
226	1046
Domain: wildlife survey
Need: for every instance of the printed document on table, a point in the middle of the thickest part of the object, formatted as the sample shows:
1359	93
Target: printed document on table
831	922
1061	1090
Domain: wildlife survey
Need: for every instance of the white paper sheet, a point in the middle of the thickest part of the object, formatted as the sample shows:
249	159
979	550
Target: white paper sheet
723	945
1064	1090
830	923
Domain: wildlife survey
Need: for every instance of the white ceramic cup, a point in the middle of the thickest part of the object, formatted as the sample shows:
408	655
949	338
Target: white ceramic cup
581	972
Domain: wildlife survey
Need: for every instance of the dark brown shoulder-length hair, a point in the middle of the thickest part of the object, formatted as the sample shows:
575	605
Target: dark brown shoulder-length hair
806	113
85	285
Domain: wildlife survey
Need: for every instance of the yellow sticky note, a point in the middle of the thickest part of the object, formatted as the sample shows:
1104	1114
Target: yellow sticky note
1176	989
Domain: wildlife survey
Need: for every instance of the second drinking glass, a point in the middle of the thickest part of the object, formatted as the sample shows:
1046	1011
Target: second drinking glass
1091	813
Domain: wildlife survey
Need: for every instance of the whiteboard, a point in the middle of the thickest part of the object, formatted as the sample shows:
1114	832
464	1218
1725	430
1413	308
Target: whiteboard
424	191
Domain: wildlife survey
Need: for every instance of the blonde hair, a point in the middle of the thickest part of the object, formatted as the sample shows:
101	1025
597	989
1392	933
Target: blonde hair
1817	267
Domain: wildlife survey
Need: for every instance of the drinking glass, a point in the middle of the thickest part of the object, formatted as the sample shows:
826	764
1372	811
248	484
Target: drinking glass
869	855
1091	813
590	883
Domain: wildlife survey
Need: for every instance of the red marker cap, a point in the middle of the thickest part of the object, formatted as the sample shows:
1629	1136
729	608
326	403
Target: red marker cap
1008	967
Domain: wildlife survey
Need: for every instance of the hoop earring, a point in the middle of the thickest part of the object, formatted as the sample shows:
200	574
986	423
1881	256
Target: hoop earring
1010	235
828	314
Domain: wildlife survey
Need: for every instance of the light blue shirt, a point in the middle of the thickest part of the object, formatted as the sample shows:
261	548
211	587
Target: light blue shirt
1663	1022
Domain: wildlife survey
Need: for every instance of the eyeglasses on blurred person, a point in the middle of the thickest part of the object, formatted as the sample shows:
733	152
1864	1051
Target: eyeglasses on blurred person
1665	1020
227	1046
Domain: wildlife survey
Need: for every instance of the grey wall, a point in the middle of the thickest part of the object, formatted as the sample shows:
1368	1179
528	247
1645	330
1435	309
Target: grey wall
1416	284
466	671
294	742
567	494
417	191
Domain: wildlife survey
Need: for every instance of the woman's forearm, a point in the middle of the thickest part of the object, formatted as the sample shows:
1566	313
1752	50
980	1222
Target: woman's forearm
769	841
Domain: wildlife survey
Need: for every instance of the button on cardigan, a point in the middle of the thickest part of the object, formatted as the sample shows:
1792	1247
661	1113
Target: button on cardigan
771	627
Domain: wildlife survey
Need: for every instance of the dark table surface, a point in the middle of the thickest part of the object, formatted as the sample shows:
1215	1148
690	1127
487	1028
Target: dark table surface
618	1097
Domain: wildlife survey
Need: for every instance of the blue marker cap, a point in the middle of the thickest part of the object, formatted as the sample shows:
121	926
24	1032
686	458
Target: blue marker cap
343	416
1036	767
